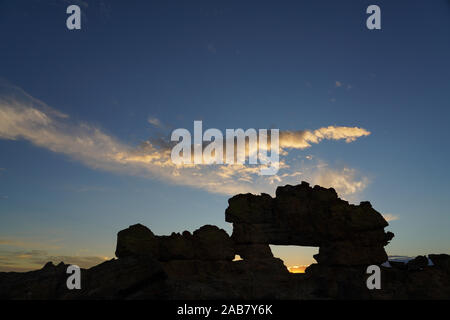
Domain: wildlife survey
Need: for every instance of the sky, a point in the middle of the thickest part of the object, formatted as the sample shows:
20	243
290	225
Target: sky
86	117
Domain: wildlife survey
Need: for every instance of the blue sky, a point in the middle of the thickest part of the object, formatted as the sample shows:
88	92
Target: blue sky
292	65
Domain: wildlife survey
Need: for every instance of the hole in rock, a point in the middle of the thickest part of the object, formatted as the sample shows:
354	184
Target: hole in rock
295	258
237	258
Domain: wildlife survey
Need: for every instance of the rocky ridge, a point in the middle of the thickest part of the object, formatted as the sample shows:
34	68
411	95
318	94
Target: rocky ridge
200	265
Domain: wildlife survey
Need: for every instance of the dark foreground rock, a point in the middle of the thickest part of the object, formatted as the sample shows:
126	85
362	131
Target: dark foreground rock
346	234
200	265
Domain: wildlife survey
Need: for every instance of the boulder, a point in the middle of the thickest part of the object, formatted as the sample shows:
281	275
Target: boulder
441	261
418	263
254	251
206	243
137	240
212	243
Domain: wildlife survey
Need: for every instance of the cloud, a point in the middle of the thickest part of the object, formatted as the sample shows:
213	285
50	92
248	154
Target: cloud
155	122
27	118
390	217
302	139
28	243
25	254
345	181
340	84
26	260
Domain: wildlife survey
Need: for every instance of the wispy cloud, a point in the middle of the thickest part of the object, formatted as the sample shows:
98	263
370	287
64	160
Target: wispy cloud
340	84
390	217
30	253
302	139
26	260
346	181
24	117
155	122
25	243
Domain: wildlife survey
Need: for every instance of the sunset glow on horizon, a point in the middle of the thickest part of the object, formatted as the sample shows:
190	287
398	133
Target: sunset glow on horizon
297	269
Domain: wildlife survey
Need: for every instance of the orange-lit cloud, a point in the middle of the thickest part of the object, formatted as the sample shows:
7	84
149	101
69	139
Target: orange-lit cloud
302	139
390	217
24	117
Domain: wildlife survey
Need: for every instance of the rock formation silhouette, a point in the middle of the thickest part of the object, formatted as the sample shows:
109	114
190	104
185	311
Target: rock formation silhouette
300	215
200	265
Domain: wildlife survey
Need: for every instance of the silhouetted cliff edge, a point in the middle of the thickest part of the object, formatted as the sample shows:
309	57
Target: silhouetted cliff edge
200	265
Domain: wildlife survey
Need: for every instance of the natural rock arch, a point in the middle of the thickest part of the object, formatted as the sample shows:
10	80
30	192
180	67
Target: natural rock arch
301	215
